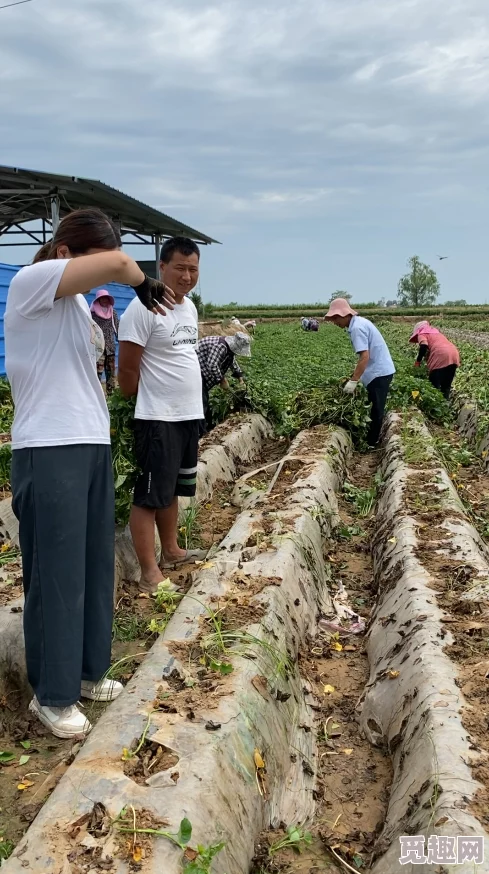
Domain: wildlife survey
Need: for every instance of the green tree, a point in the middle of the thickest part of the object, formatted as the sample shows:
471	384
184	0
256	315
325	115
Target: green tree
419	287
197	301
343	294
455	303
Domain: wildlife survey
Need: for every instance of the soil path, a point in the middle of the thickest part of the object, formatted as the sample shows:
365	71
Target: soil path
30	757
354	778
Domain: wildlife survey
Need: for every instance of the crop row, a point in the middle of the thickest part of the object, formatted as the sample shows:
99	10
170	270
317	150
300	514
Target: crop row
296	380
267	311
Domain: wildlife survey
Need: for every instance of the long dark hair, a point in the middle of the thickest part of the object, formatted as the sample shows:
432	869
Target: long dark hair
81	230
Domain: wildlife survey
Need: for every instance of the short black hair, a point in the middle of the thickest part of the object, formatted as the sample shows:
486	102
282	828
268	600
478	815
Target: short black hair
182	245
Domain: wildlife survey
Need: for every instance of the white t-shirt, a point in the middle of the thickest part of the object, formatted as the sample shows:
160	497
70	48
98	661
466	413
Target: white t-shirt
50	358
170	383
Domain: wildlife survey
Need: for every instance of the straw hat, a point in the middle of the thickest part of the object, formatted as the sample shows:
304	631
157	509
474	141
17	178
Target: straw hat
340	307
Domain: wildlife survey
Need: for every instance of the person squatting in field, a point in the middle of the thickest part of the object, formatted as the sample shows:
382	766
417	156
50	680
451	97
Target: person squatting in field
158	364
105	316
62	481
310	324
375	367
216	356
443	356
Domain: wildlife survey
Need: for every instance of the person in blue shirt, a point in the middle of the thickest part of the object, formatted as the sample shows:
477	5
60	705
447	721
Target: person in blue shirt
375	367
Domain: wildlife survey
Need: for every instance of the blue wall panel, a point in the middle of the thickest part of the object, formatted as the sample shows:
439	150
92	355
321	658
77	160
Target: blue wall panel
122	295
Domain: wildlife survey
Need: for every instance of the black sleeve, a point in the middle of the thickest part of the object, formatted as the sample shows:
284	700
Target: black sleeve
423	351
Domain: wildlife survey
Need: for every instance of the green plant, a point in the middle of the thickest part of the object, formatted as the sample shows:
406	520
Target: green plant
128	626
242	643
362	499
188	530
198	861
123	459
9	554
346	532
129	754
6	849
202	863
5	464
296	838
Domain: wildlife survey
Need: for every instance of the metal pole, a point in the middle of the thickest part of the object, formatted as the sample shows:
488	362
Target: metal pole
54	212
157	254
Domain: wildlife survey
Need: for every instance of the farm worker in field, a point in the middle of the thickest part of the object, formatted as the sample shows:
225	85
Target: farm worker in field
105	316
443	356
62	482
375	367
216	356
158	364
310	324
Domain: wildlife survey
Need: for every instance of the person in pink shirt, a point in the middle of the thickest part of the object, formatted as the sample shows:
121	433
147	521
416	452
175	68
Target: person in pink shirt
443	356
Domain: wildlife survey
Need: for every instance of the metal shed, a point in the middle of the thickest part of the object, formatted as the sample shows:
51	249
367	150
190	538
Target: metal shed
33	202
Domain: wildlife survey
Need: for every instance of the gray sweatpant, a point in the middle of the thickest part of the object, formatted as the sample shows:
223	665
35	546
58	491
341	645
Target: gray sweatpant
63	497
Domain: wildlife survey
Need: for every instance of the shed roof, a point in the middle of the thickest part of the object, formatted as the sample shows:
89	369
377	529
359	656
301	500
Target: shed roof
25	195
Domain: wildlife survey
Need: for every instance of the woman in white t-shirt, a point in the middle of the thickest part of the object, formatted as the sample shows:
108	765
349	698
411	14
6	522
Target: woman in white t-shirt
62	484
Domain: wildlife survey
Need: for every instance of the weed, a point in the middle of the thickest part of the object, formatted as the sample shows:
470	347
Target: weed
202	862
128	626
123	668
129	754
9	554
362	499
243	644
296	838
5	464
416	449
346	532
198	861
189	530
6	849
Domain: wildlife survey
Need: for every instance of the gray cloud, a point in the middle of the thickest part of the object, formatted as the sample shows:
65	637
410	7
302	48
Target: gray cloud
239	115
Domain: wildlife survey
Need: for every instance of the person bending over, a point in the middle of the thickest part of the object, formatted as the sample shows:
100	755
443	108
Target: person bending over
443	357
216	357
375	367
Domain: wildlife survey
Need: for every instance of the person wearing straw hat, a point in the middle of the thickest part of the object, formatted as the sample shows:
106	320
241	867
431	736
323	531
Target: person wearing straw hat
217	355
375	367
443	356
105	316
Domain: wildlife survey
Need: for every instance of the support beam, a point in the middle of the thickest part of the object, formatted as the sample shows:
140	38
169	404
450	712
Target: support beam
157	255
54	212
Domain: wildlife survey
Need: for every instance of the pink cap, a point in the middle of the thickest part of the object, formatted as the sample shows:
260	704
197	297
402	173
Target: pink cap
102	292
340	307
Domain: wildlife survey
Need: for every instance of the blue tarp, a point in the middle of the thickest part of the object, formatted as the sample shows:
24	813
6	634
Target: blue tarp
122	295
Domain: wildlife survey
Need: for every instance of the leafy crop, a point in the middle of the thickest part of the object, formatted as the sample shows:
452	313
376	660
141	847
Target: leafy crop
123	459
296	380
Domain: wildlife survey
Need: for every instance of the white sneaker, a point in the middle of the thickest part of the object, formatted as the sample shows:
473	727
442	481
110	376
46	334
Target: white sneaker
64	722
104	690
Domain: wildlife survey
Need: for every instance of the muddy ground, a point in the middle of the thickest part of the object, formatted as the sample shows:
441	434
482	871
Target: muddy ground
354	779
30	757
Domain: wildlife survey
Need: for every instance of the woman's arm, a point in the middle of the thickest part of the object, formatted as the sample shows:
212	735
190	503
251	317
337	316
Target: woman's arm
82	274
87	272
423	351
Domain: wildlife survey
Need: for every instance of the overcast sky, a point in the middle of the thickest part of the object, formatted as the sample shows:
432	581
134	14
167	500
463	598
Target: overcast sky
322	142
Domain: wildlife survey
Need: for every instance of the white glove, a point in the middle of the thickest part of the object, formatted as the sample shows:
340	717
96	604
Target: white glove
350	387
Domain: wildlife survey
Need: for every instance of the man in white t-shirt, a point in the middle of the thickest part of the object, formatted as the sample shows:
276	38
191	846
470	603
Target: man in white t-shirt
158	362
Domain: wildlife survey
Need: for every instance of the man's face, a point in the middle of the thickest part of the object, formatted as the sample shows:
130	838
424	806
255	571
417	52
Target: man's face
181	273
340	321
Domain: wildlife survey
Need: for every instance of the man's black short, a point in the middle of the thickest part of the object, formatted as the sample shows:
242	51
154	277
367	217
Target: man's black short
166	453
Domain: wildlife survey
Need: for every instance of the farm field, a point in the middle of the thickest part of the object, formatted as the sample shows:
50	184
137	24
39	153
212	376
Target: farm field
312	529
